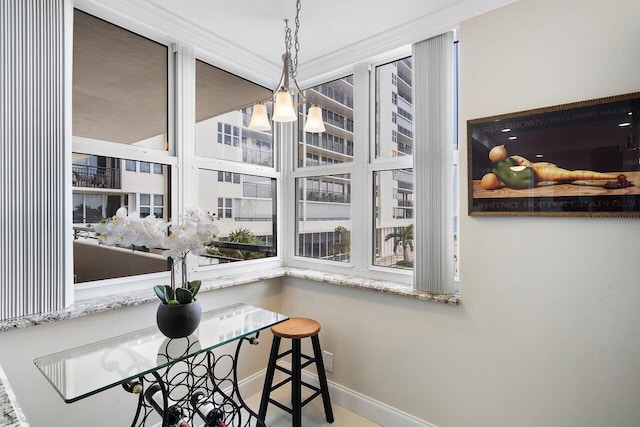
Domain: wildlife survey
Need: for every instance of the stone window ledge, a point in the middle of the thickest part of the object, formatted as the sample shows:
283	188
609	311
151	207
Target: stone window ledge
113	302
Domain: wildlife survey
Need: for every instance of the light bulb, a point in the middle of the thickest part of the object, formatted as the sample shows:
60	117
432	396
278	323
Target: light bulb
314	122
283	110
259	119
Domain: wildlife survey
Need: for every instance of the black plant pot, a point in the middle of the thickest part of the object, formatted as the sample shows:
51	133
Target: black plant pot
178	321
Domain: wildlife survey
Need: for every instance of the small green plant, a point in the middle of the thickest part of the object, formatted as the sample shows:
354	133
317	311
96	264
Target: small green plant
242	235
407	264
183	295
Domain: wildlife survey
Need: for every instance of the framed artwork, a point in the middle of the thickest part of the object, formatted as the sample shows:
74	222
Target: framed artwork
580	159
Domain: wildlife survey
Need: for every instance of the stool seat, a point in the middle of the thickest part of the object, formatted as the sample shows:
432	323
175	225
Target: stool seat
296	327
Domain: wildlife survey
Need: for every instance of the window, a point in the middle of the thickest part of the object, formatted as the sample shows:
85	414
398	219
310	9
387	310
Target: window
374	157
229	177
130	118
219	119
336	100
152	204
393	188
323	202
225	208
228	185
234	176
145	167
228	134
324	217
393	218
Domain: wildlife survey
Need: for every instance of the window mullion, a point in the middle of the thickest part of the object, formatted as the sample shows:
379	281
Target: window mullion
184	179
361	194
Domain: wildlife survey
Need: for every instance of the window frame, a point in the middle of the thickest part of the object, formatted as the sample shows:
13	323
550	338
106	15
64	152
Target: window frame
168	157
235	168
362	169
183	163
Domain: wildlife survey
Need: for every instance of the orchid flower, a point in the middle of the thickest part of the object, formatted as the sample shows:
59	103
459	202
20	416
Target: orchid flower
193	234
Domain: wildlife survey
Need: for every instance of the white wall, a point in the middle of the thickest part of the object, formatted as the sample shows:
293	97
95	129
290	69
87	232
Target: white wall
43	407
549	326
548	330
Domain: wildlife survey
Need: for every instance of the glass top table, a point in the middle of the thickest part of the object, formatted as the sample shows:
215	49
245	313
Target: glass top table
83	371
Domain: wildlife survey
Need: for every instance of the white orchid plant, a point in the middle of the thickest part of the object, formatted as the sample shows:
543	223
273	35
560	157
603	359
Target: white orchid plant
192	233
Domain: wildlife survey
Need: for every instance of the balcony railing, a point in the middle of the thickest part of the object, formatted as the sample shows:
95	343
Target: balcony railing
257	157
342	147
406	97
405	185
404	77
252	189
328	196
334	94
95	177
405	203
403	213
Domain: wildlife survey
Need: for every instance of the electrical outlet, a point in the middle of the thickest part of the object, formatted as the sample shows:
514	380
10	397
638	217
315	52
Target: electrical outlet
327	359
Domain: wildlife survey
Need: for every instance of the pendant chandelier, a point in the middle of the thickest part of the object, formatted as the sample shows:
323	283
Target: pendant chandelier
284	110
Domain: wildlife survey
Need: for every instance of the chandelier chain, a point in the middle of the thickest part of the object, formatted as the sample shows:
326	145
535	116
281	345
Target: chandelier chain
294	68
287	37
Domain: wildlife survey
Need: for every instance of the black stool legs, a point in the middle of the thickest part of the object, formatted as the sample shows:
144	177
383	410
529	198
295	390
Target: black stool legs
295	376
322	377
268	381
296	383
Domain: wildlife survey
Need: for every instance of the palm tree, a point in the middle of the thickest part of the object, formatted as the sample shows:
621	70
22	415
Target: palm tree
402	238
343	246
239	235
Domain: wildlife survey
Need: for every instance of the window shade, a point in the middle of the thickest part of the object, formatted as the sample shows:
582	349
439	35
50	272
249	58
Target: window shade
32	159
433	160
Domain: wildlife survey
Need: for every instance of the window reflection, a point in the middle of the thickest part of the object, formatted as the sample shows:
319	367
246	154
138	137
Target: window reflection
101	185
222	118
394	213
394	109
245	211
120	96
324	217
336	144
119	85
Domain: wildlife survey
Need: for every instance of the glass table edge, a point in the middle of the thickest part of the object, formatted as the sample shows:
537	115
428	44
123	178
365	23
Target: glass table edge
239	338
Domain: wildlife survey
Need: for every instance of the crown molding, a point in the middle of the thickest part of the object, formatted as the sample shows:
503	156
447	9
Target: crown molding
421	28
160	24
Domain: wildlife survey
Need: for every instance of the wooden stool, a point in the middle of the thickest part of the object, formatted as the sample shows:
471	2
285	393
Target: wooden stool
295	329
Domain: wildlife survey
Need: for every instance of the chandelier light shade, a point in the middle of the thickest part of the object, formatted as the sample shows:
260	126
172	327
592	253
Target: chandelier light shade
259	118
284	110
314	122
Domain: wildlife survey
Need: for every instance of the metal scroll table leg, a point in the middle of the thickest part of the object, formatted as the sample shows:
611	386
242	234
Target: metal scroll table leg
196	387
254	341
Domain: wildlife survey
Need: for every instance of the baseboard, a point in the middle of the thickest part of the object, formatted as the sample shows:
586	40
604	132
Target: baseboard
252	384
366	407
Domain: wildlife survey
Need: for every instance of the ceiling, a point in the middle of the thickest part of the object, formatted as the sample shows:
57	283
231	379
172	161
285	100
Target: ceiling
257	26
247	36
120	95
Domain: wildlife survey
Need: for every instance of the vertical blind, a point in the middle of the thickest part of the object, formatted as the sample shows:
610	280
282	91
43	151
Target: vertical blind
433	159
32	157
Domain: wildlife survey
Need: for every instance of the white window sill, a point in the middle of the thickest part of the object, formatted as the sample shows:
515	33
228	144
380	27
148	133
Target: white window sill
377	285
113	302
